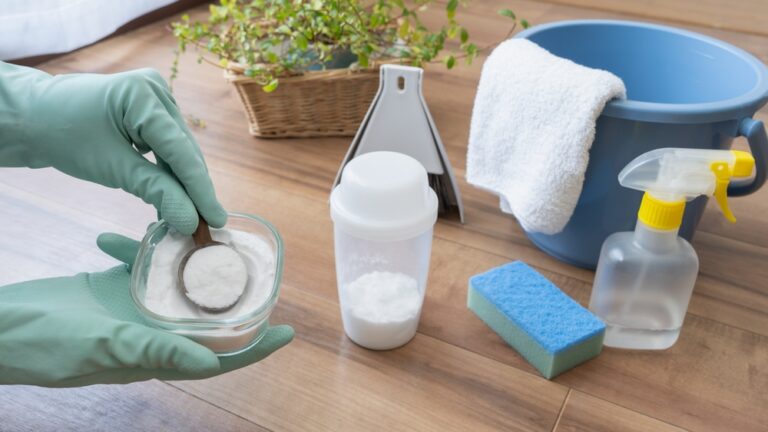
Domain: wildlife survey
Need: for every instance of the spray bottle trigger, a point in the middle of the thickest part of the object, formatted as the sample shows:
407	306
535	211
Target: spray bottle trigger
722	179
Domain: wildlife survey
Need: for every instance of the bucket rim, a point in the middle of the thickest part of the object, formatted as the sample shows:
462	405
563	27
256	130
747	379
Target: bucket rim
735	108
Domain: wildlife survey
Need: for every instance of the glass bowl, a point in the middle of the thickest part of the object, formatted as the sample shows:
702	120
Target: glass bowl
223	335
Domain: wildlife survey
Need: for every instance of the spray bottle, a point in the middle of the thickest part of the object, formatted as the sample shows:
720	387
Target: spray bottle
645	278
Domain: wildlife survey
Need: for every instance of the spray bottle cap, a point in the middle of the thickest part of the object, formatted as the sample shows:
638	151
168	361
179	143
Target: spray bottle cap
672	176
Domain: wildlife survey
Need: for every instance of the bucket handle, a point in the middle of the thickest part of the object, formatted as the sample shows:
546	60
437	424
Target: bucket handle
754	131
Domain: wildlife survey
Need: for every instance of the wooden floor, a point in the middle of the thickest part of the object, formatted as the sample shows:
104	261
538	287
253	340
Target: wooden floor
456	375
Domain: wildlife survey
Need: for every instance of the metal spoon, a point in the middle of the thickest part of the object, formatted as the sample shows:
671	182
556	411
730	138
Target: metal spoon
202	239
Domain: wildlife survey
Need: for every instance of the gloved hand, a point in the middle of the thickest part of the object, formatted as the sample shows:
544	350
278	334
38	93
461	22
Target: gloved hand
96	127
85	329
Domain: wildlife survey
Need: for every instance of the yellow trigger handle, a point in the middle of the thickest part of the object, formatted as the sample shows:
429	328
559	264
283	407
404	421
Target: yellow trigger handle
742	167
722	178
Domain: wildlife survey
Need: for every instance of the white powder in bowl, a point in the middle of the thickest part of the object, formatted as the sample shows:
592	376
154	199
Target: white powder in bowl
215	276
164	297
381	309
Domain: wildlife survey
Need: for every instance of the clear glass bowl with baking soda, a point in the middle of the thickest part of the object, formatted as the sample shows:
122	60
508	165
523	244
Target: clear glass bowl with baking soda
155	286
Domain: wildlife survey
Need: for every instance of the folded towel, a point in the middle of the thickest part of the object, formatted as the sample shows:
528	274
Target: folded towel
532	126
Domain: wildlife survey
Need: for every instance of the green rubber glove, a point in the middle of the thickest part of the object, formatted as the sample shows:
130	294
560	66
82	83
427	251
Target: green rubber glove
96	127
85	329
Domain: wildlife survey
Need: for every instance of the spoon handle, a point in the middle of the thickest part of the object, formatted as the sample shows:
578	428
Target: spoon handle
202	235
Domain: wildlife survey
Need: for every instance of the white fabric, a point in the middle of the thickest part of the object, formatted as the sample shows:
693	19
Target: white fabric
533	123
35	27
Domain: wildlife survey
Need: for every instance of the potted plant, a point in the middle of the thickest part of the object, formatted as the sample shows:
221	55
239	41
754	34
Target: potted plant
310	67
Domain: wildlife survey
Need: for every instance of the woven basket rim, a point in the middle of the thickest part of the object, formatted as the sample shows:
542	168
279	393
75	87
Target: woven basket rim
234	72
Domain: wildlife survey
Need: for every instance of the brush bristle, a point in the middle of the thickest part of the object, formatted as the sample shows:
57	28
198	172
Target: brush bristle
438	185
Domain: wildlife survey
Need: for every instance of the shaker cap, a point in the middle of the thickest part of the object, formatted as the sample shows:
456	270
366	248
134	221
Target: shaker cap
384	195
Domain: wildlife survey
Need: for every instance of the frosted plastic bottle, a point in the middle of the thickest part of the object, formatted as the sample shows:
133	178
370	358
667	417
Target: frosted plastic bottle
645	278
383	213
643	284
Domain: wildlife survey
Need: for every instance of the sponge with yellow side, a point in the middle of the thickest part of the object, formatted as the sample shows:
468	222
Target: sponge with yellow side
548	328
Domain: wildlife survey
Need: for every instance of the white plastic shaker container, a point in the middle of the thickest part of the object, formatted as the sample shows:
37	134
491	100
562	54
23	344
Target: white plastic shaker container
383	212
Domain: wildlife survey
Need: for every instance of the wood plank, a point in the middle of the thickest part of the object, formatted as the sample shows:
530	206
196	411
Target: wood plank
737	15
150	406
323	381
586	413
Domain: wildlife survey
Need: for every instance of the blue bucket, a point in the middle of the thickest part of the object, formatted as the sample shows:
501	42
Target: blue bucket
683	90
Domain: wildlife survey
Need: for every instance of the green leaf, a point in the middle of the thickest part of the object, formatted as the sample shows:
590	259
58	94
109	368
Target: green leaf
451	8
402	31
271	86
362	60
507	13
524	24
302	42
464	35
450	61
452	31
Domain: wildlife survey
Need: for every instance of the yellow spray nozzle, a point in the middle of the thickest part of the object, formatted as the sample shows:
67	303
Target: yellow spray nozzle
671	176
743	164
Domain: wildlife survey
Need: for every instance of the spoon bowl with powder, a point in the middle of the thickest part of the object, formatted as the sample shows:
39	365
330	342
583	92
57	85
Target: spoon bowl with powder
212	275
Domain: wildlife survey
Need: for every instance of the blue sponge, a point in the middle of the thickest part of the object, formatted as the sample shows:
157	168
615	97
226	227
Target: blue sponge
548	328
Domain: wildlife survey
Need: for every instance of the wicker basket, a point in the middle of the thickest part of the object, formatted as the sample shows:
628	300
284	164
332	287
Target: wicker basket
314	104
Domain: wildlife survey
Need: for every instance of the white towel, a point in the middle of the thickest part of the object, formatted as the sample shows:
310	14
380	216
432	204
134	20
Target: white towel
532	126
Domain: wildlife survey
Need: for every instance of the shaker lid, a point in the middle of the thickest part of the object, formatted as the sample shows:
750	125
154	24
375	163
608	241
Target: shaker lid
384	196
